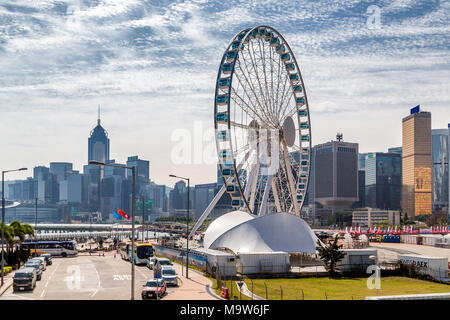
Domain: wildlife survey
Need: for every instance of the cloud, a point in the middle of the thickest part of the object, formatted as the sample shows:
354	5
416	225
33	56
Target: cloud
153	65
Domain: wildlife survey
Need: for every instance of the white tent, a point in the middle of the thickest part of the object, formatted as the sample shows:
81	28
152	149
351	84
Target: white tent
245	233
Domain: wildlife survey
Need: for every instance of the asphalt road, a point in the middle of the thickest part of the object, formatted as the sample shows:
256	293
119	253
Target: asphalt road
88	278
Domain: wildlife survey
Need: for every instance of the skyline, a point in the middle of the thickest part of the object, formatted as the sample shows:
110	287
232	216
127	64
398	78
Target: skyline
137	59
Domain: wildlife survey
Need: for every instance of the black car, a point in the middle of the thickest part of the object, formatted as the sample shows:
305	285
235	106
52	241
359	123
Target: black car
24	278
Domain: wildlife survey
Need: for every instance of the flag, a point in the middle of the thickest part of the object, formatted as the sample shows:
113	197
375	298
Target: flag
117	216
123	214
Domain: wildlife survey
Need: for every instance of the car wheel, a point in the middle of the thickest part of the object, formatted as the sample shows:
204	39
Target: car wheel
63	254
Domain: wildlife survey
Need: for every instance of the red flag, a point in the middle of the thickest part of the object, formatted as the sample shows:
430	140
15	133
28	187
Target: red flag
123	214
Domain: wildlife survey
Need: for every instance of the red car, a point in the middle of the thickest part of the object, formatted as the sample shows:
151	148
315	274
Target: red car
153	289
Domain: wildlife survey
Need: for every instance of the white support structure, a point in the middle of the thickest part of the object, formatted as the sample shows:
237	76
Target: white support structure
263	207
208	209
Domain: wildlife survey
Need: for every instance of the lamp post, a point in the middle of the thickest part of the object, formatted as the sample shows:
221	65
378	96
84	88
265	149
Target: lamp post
3	219
187	222
133	206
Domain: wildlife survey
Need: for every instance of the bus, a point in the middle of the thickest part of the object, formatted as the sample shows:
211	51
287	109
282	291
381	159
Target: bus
125	249
55	248
142	252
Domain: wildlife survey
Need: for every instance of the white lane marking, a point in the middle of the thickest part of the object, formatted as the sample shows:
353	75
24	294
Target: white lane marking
99	287
49	278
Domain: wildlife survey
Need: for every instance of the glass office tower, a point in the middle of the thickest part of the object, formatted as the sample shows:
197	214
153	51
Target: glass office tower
383	180
440	153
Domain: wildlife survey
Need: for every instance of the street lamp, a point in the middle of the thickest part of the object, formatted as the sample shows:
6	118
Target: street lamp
133	205
187	222
3	219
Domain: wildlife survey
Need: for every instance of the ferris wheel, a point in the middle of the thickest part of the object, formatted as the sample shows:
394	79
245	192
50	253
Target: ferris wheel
261	117
262	123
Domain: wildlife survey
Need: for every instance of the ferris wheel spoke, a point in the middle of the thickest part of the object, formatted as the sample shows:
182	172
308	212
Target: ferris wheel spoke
252	89
242	100
269	118
269	101
275	195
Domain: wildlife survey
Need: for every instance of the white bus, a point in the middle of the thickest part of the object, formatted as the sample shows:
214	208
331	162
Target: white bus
55	248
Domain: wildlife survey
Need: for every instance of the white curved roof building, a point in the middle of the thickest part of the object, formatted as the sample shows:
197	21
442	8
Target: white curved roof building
245	233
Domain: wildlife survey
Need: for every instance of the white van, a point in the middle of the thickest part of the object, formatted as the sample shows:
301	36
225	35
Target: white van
159	263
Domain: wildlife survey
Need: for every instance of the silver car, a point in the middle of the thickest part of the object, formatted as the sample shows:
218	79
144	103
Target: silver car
151	263
41	261
169	275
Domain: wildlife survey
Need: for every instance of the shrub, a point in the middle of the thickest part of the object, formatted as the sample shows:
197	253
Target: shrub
7	270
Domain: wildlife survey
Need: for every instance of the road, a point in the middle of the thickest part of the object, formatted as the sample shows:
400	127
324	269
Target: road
90	278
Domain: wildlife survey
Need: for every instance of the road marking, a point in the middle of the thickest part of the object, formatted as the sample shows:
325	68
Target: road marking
49	278
99	287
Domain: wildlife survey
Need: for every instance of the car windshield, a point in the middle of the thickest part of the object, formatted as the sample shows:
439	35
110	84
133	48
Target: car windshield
153	283
22	275
165	262
144	252
32	265
168	272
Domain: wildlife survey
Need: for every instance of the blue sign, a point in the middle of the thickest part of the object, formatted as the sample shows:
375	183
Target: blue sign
416	109
157	276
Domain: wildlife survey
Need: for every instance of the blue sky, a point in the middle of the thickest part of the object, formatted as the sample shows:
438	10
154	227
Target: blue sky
152	65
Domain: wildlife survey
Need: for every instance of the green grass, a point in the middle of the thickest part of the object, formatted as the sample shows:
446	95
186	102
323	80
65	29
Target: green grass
340	289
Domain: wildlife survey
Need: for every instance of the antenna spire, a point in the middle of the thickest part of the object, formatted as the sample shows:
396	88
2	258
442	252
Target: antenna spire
98	120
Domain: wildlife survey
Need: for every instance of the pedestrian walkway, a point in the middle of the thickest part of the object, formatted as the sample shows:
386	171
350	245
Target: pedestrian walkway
193	288
8	281
244	290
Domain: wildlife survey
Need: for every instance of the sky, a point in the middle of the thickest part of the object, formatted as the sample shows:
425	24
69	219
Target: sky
152	67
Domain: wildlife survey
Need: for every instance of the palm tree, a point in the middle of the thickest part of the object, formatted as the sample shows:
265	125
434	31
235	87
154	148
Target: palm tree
20	231
330	255
9	240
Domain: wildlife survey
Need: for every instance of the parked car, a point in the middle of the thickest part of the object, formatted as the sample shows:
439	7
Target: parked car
36	265
159	263
151	263
169	275
24	278
48	258
42	261
153	289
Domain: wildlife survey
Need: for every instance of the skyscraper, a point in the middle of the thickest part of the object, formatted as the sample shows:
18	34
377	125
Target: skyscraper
440	155
61	170
416	163
383	180
336	174
98	143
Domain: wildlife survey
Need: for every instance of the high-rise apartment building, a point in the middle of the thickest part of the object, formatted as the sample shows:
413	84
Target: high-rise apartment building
416	163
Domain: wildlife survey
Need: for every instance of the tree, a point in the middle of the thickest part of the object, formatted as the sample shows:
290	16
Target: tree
330	255
20	231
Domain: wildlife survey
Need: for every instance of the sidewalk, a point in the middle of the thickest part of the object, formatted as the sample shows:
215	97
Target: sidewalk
194	288
8	282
